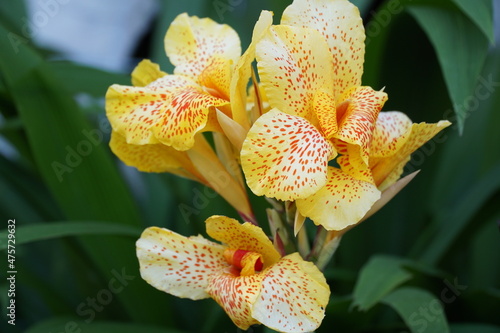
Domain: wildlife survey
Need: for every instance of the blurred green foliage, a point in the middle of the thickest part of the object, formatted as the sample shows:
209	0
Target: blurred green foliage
428	262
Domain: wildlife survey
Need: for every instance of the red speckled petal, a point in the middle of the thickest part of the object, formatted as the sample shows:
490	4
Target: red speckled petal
191	43
216	77
386	171
357	123
145	73
236	294
293	297
391	133
341	25
293	64
325	109
244	236
341	202
285	157
154	158
186	114
178	265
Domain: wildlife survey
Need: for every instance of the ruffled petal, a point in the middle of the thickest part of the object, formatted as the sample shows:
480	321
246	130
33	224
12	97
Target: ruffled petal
244	236
391	133
145	73
387	171
341	202
293	64
191	44
154	158
341	25
285	157
243	71
357	121
325	110
178	265
216	77
236	294
293	297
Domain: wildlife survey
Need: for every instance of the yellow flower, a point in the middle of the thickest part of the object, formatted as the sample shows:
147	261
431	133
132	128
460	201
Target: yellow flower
310	68
245	275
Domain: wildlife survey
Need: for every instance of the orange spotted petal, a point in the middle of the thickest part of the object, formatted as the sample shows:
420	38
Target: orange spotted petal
340	23
293	297
391	133
293	64
341	202
154	158
285	157
244	236
325	109
145	73
236	294
191	44
216	77
178	265
386	171
357	121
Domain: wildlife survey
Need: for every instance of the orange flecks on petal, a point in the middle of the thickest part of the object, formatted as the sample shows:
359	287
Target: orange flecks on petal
145	73
391	132
293	64
191	44
293	297
216	77
236	294
285	156
154	158
387	171
358	121
341	202
341	25
324	107
245	236
178	265
186	114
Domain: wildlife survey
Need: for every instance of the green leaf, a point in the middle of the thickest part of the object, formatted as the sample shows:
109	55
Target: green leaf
378	278
38	232
420	310
481	13
476	328
461	50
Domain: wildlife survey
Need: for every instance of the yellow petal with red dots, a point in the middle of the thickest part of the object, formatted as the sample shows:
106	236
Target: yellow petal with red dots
341	202
386	171
216	77
145	73
192	43
325	110
357	121
154	158
236	294
293	64
178	265
391	133
293	297
244	236
341	25
285	157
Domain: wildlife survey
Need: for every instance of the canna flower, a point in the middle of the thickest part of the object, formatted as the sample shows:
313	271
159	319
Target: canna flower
245	275
310	68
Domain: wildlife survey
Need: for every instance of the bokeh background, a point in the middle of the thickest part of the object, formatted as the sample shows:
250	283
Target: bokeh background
427	262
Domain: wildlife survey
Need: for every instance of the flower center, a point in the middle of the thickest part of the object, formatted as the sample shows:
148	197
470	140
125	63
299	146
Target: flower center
341	110
246	262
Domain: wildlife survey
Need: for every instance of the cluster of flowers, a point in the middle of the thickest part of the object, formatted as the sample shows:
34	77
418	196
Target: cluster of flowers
308	136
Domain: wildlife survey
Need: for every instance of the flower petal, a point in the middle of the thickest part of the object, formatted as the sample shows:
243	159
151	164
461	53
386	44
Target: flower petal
293	64
244	236
154	158
390	133
341	202
386	171
341	25
145	73
293	297
285	157
178	265
236	294
357	121
191	44
325	110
